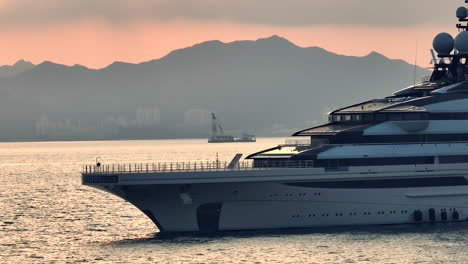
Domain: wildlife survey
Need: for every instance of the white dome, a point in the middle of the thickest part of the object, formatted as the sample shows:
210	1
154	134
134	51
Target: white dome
461	12
461	42
443	43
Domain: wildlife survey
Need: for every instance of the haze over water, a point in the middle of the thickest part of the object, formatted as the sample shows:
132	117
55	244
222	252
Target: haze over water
47	216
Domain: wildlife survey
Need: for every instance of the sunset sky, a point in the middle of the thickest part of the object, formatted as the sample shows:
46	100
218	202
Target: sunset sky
96	33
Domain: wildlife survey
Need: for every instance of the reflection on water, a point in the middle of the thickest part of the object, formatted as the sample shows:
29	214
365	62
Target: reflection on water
48	217
438	230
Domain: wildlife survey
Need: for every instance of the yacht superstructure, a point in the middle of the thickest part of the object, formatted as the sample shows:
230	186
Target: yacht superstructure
395	160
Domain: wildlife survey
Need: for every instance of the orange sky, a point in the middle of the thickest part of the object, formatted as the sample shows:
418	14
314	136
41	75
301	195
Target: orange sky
96	44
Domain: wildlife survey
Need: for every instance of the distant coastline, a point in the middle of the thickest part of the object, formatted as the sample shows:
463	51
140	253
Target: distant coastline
106	140
267	87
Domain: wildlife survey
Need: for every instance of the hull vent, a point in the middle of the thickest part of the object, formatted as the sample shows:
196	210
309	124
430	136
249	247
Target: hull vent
208	217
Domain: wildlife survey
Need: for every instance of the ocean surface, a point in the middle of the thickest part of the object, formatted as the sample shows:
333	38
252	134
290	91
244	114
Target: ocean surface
47	216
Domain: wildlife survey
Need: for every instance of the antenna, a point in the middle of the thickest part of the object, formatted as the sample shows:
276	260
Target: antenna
415	61
98	163
213	125
434	58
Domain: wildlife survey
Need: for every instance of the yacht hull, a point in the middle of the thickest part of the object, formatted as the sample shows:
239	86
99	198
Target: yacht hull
211	207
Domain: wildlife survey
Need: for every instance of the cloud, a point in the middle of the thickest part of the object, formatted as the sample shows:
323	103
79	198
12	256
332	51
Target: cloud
399	13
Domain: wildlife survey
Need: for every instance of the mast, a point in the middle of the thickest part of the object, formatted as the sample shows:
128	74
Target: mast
453	50
213	125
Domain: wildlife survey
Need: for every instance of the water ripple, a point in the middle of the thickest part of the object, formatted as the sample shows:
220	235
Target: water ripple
49	217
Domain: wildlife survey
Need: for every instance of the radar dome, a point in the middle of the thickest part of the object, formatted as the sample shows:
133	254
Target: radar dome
443	43
461	42
461	12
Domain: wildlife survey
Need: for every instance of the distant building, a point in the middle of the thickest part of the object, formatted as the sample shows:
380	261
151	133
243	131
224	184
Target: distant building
70	129
44	127
197	117
119	121
148	116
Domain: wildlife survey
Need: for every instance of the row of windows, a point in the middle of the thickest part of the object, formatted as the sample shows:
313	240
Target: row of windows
385	183
349	214
335	163
370	117
378	117
349	162
347	138
276	195
339	214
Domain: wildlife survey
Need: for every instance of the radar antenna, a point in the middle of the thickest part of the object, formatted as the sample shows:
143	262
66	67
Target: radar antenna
455	50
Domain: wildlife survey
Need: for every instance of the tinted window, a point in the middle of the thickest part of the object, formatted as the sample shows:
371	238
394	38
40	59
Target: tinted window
395	116
412	116
367	117
380	117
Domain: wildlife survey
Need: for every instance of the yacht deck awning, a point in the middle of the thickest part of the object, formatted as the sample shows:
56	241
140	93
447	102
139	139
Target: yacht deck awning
330	129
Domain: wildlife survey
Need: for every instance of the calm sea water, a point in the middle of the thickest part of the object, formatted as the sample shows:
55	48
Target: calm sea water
46	216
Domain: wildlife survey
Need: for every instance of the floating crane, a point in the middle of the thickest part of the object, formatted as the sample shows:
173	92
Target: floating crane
218	136
215	126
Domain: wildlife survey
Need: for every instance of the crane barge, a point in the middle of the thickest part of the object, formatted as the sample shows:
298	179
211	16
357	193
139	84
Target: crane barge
218	136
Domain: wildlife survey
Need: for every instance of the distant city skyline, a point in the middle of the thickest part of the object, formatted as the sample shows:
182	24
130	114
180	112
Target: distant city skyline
97	33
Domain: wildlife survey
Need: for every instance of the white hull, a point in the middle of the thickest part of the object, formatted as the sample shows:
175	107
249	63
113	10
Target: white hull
268	204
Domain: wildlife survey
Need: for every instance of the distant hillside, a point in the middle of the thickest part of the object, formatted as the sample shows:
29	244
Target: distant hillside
15	69
269	86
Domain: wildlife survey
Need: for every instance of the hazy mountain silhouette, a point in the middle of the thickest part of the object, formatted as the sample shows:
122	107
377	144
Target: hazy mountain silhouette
269	86
15	69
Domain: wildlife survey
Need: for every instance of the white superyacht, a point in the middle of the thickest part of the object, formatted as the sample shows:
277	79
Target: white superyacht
396	160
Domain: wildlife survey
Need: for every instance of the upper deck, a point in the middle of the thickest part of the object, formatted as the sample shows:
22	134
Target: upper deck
200	166
146	174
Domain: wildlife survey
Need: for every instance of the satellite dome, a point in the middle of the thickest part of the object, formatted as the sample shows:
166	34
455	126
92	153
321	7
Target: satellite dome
461	42
461	12
443	43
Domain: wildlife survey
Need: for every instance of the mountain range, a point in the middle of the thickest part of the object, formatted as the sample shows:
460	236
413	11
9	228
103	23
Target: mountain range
269	86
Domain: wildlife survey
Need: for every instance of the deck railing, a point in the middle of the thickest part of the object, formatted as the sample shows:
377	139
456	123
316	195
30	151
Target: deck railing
297	142
425	78
199	166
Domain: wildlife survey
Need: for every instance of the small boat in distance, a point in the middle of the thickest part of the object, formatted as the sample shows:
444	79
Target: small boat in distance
218	136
